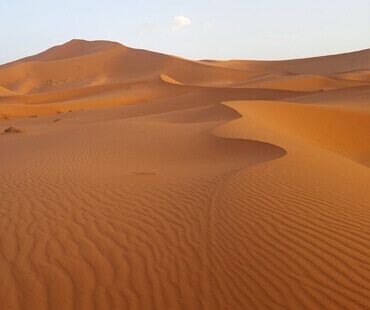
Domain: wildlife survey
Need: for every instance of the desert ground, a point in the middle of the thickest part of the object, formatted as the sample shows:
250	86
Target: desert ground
131	179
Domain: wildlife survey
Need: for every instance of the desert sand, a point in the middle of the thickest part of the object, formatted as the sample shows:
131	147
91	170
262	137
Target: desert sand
137	180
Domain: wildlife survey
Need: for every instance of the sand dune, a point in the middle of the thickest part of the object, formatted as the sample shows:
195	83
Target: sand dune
356	98
115	61
175	184
302	82
359	75
338	130
317	65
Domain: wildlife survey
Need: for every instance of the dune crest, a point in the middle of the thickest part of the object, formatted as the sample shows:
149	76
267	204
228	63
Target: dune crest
137	180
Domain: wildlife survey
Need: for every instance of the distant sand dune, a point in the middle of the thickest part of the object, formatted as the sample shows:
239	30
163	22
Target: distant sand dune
302	83
317	65
359	75
176	184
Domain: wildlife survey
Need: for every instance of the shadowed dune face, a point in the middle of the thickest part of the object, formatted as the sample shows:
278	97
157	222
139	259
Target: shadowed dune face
137	180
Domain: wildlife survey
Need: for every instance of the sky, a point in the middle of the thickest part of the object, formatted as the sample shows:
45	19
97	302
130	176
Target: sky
193	29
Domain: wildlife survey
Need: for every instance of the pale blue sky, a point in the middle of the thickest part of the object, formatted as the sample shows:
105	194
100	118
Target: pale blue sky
208	29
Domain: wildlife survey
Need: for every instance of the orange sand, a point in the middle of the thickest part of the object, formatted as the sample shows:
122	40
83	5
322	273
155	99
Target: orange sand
155	182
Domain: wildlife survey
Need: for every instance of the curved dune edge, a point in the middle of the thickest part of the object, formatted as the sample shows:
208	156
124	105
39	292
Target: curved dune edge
218	130
340	131
168	79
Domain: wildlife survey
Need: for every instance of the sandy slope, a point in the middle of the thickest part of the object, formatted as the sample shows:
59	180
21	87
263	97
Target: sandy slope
176	184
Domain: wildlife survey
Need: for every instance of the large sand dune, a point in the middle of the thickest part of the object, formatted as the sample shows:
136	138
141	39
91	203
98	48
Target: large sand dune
139	180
